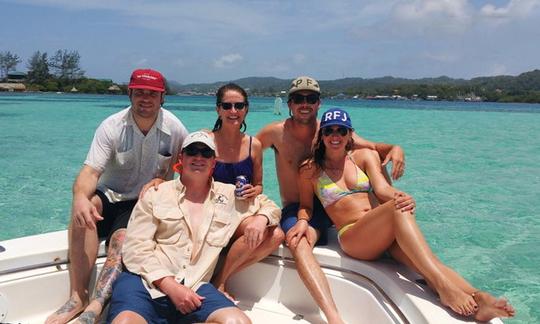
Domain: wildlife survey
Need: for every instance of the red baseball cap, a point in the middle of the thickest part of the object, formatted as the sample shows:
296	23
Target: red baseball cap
147	79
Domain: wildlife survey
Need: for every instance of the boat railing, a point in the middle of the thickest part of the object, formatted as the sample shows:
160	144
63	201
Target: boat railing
57	262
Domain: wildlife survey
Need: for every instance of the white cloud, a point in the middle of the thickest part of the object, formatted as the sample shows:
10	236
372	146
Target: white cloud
185	17
398	21
514	9
428	16
227	60
280	38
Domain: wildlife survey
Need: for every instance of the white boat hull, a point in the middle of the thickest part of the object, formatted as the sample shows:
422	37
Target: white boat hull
34	282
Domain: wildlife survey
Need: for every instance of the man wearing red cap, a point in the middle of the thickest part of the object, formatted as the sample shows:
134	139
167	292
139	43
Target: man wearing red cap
129	149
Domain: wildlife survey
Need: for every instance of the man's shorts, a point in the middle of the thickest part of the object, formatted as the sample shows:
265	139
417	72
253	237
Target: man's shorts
115	216
129	294
319	220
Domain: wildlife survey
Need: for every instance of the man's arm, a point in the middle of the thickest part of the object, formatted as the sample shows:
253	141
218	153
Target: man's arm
263	212
262	206
305	210
387	152
185	299
84	213
265	136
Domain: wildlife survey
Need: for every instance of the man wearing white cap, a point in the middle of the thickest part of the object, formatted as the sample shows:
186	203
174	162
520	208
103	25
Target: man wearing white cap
173	242
129	149
292	141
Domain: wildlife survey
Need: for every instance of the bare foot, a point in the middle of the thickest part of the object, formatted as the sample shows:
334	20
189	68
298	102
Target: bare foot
490	307
88	317
65	313
91	313
458	301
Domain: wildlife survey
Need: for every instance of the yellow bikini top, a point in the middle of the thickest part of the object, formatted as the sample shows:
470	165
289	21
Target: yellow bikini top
329	192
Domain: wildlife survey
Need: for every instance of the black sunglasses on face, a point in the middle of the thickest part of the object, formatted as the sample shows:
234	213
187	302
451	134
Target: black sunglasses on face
327	131
205	152
236	105
310	98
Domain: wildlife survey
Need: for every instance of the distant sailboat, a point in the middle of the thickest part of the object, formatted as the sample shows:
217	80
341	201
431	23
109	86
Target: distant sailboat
277	105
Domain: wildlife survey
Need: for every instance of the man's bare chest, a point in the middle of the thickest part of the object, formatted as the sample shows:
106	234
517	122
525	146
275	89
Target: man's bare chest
293	152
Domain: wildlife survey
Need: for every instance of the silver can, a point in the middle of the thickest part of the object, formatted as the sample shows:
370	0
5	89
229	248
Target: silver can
240	182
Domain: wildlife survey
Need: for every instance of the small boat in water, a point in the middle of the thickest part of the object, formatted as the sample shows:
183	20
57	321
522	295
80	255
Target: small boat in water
34	282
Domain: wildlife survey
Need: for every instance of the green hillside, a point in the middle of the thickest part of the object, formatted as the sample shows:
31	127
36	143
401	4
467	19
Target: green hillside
504	88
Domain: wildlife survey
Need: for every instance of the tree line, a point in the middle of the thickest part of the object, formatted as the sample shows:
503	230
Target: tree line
522	88
59	72
62	72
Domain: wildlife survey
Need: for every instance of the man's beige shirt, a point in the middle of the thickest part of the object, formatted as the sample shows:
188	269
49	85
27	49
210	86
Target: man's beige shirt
160	241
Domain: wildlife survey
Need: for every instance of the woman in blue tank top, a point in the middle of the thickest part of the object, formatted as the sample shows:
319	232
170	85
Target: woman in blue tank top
240	154
237	153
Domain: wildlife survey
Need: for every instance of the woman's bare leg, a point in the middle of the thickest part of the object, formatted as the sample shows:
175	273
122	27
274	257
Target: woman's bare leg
241	255
313	277
488	305
453	276
388	224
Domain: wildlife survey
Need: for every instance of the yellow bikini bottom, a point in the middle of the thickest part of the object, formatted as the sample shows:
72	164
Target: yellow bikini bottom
345	229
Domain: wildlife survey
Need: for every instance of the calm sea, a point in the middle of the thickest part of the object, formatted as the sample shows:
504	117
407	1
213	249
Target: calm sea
474	169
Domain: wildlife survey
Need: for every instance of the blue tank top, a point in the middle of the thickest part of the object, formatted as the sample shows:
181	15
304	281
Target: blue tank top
227	172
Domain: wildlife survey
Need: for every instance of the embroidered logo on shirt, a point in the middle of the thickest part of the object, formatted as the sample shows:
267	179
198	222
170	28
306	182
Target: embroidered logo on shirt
221	199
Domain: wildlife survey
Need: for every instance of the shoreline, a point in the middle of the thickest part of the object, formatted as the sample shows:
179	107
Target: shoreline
334	98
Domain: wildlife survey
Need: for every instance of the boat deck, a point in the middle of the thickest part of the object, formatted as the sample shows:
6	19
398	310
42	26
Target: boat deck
34	283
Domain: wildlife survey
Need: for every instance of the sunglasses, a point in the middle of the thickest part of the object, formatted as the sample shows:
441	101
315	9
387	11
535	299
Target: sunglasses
205	152
236	105
342	131
310	98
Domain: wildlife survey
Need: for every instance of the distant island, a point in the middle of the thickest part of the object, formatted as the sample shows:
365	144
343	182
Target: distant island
62	73
522	88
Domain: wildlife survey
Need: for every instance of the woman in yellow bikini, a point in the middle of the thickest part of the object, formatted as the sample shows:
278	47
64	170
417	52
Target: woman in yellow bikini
343	180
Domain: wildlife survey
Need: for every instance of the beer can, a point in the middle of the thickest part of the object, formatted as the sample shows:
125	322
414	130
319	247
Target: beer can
240	182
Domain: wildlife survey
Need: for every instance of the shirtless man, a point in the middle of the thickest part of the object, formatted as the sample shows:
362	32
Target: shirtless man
292	140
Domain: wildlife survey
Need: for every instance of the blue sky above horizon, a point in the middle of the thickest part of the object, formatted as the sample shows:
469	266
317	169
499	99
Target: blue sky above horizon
208	41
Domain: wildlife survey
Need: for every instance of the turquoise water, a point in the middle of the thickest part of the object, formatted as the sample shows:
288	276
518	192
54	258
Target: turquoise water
472	167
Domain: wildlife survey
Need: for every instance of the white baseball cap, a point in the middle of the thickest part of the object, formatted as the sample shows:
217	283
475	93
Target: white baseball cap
199	137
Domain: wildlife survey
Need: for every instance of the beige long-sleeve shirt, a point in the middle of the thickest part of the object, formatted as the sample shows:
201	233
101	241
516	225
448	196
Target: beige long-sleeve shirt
160	241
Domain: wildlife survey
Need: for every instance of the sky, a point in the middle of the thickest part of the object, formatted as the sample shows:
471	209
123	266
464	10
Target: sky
207	41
